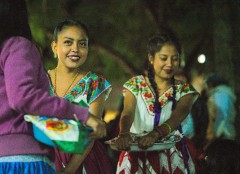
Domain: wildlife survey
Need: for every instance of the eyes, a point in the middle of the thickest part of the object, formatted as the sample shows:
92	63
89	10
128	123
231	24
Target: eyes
165	57
81	43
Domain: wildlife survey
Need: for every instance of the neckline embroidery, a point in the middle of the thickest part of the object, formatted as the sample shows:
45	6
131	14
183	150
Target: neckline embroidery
147	94
77	90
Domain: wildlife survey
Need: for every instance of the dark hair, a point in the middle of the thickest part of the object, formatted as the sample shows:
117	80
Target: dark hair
14	20
155	44
200	116
68	23
214	80
222	157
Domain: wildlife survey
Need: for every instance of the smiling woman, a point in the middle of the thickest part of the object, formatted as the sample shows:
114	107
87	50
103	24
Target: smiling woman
24	89
70	46
154	108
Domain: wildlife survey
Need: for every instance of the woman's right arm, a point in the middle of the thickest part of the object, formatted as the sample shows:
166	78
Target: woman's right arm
126	120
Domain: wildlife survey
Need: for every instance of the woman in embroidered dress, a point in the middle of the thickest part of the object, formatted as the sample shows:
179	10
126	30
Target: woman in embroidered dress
156	105
24	89
70	46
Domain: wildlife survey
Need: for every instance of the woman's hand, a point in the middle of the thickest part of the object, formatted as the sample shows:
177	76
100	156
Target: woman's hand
148	140
98	125
123	141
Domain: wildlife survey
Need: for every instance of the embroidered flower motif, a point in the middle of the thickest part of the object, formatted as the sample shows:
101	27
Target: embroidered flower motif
74	92
90	85
151	107
137	85
143	84
131	82
167	94
161	102
147	95
186	88
82	85
94	85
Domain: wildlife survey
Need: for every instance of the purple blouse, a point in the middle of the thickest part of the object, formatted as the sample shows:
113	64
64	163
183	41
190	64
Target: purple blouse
24	89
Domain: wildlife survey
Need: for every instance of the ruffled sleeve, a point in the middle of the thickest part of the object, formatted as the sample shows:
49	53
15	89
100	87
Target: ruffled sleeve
133	85
97	85
186	89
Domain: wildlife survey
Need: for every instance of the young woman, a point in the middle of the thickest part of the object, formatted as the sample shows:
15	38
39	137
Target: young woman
155	105
24	89
69	81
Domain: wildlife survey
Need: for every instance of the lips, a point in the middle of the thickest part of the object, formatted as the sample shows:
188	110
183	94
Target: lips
168	71
74	58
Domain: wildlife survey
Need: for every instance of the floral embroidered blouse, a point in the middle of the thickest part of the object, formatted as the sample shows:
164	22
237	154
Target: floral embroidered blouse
144	115
90	87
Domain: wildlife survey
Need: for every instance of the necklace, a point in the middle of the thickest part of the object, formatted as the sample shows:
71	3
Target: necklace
55	83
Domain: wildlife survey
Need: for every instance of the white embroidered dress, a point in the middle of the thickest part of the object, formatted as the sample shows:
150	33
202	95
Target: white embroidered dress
169	161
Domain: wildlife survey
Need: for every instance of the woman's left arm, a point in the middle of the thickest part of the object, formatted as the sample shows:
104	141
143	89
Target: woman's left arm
96	108
183	108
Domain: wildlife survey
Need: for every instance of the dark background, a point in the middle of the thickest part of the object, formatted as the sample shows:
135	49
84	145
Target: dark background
119	32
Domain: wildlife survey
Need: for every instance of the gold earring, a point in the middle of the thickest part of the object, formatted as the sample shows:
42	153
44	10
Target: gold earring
55	55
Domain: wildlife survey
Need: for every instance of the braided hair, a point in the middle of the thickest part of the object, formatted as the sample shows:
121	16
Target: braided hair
154	45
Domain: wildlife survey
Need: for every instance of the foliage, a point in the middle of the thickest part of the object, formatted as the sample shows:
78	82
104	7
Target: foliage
119	31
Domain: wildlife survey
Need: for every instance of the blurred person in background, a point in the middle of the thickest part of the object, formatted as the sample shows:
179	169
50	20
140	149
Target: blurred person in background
221	107
188	123
195	124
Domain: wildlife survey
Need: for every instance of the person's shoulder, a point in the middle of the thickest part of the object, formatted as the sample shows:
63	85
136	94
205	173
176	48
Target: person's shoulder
185	87
18	39
136	78
17	42
180	82
135	81
95	75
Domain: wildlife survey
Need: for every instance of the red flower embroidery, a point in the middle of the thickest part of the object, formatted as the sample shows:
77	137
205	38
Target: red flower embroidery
148	95
185	86
94	85
161	102
143	84
151	107
167	94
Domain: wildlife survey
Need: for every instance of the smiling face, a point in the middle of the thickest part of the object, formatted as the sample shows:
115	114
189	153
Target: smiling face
71	47
165	62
